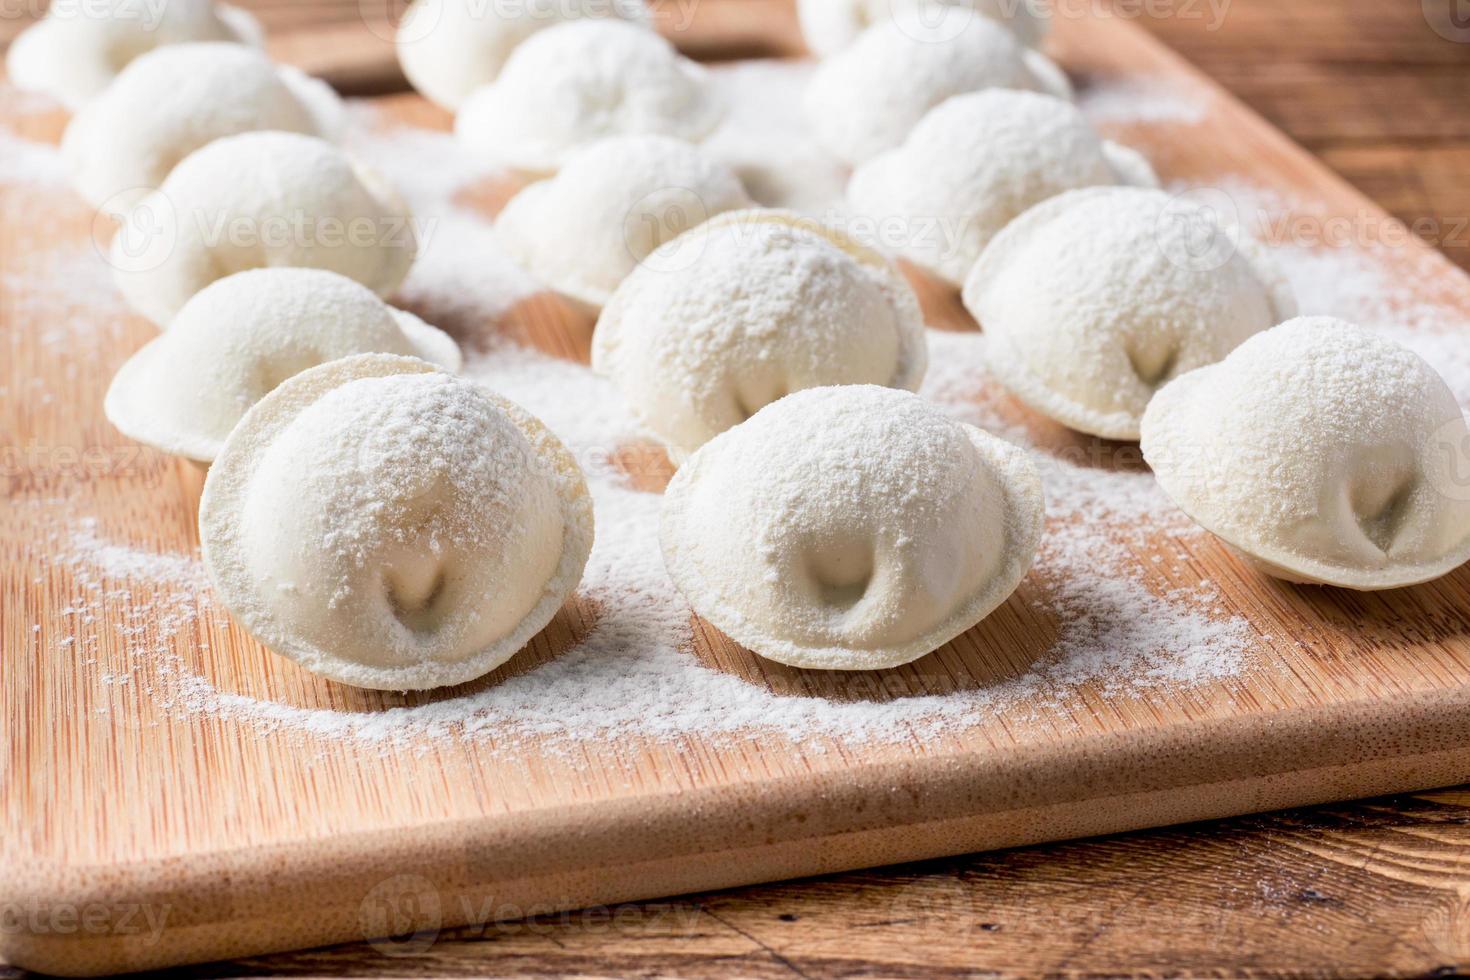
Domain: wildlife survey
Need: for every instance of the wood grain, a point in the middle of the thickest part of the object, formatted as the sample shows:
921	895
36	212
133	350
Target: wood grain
1329	653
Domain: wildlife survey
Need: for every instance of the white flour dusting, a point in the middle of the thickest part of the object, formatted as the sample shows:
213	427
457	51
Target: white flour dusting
1143	100
24	161
1119	628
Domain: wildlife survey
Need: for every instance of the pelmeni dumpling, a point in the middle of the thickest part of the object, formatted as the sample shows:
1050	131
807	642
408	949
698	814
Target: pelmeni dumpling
389	525
745	309
449	48
616	201
974	163
260	199
76	50
1093	300
828	26
172	101
850	528
581	81
1325	453
238	338
866	98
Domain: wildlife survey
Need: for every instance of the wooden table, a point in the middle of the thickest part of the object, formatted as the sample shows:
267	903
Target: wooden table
1376	888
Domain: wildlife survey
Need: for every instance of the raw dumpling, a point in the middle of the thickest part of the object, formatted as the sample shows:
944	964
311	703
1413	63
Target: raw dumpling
238	338
743	310
581	81
850	528
1326	453
865	99
391	526
449	48
977	161
1093	300
260	199
616	201
172	101
76	50
828	26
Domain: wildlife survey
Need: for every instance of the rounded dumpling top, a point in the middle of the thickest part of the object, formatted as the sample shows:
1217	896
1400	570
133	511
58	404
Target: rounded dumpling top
388	525
449	48
581	81
743	310
978	160
1093	300
76	50
172	101
867	98
828	26
853	527
617	200
260	199
1324	452
240	337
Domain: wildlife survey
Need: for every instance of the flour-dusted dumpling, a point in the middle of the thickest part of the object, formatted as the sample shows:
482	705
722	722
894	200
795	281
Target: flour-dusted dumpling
260	199
449	48
76	50
585	229
828	26
172	101
1323	452
238	338
867	98
389	525
745	309
1093	300
577	82
977	161
850	528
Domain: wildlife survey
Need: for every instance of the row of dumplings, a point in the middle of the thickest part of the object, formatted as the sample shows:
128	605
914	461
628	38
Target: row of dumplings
390	525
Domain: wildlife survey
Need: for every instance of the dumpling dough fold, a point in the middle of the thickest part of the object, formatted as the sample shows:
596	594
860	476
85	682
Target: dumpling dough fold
255	200
867	98
76	50
238	338
976	162
1093	300
174	100
391	526
850	528
747	308
582	81
1324	452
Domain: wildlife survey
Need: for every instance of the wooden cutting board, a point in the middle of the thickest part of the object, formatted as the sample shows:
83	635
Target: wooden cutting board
135	836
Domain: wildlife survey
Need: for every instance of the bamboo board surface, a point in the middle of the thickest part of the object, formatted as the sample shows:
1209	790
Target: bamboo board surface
253	841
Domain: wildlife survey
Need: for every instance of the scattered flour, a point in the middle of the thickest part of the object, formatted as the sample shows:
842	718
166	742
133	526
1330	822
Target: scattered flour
1141	100
1120	629
24	161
